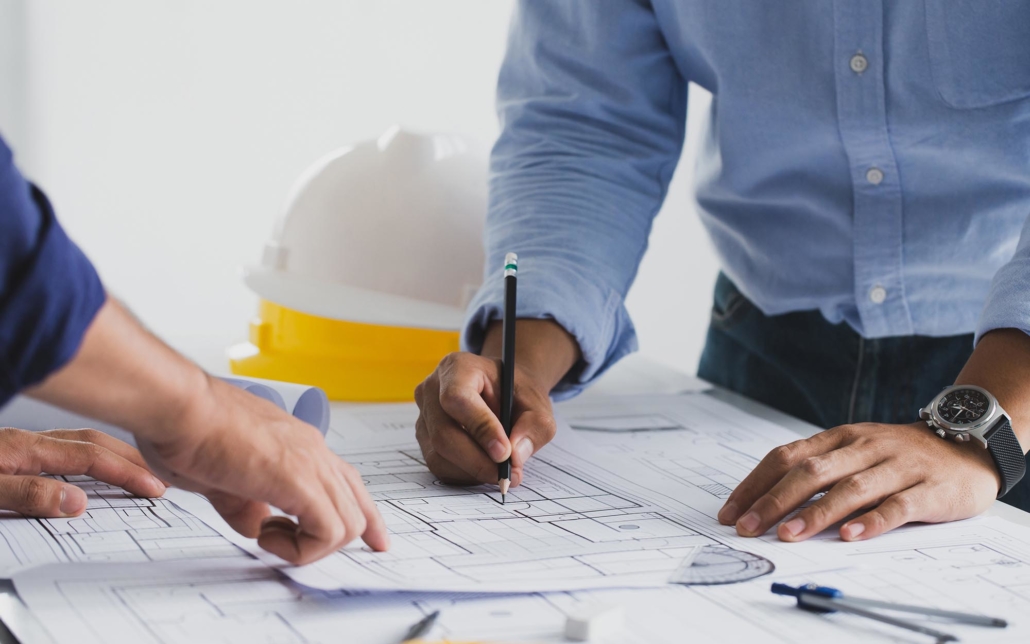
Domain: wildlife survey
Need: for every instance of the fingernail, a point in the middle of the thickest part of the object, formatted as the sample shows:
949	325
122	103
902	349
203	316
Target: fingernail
158	483
525	449
794	527
728	513
749	522
495	449
73	500
852	530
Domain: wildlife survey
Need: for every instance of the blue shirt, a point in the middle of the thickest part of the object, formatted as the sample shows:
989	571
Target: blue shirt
49	291
866	158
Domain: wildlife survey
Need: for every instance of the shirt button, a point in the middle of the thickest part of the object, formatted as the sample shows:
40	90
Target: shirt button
877	294
859	63
874	176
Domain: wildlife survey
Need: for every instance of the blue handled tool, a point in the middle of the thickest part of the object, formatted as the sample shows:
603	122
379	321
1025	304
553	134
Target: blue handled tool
823	599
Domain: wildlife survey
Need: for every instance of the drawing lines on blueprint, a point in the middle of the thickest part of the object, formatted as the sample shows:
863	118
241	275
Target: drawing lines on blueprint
555	525
116	526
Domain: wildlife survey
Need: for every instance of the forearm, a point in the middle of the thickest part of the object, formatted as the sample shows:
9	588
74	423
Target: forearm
1001	365
124	375
543	348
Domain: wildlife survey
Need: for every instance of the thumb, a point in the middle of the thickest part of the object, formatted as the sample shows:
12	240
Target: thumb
532	430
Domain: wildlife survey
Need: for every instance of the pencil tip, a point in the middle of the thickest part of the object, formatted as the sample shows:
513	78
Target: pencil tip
503	499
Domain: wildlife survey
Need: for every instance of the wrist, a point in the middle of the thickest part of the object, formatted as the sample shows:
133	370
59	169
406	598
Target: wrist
543	349
1001	365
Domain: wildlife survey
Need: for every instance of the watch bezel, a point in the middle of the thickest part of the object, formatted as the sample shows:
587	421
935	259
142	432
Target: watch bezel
984	421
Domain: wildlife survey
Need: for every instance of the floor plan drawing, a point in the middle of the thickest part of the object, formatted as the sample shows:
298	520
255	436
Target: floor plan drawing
557	530
620	513
582	518
116	526
245	601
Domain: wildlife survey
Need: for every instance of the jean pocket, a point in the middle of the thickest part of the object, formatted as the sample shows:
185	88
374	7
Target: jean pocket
729	304
979	51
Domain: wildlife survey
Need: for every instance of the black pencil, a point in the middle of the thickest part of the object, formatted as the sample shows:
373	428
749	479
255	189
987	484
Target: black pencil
511	263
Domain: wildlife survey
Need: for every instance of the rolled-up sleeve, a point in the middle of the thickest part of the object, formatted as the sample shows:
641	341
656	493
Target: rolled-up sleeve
49	291
1008	301
592	110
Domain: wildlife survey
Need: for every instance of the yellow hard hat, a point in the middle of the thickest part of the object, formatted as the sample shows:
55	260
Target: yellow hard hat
364	282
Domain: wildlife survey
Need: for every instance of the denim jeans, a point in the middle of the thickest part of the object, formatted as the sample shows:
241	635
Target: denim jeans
825	373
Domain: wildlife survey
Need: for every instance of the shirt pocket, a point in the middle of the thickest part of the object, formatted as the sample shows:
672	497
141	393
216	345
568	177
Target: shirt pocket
979	51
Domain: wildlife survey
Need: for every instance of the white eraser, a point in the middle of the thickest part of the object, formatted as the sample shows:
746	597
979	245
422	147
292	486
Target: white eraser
594	622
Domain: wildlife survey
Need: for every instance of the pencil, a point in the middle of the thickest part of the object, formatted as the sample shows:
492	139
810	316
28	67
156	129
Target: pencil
511	263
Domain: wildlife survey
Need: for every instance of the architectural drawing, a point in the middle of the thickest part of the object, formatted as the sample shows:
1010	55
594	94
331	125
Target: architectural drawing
116	526
559	529
611	514
623	515
244	601
247	602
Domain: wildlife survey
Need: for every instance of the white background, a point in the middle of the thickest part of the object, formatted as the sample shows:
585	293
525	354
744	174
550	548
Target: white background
168	134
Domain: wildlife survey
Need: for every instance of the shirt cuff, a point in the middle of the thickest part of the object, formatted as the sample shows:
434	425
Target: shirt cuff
48	308
1008	302
593	314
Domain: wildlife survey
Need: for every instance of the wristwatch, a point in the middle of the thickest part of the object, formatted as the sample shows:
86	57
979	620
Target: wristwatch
965	413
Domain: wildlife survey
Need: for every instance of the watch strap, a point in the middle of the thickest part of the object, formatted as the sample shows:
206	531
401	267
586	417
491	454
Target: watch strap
1007	454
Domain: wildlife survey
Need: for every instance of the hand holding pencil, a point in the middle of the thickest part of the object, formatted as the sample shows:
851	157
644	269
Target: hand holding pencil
461	427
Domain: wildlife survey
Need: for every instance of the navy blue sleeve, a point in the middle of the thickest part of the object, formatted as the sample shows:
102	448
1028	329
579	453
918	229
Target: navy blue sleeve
49	291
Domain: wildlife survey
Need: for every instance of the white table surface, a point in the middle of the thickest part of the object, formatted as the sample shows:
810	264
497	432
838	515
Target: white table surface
633	375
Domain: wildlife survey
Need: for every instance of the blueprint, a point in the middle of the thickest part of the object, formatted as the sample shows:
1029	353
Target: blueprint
116	527
623	514
627	508
978	565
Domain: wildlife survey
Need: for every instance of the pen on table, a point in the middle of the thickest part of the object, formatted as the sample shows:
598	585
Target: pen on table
511	264
421	627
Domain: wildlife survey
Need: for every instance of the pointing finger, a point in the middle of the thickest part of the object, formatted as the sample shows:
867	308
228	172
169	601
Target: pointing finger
376	535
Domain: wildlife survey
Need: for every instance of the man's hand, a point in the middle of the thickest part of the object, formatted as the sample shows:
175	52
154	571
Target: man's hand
899	473
25	455
202	434
244	453
458	428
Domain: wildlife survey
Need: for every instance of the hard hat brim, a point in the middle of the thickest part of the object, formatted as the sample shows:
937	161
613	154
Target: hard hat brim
341	302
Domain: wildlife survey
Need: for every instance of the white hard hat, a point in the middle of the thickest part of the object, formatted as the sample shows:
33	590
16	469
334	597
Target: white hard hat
387	232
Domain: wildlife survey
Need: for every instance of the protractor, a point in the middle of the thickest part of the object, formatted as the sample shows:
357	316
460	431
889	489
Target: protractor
711	565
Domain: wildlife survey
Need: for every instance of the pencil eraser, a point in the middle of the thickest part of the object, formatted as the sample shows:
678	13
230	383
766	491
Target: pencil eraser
594	622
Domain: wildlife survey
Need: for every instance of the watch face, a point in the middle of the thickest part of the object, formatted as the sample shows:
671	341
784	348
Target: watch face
963	406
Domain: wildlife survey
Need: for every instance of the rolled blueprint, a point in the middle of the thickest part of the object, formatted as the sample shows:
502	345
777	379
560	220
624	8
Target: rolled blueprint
308	404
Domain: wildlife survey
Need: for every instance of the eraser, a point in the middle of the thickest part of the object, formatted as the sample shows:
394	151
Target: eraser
594	622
